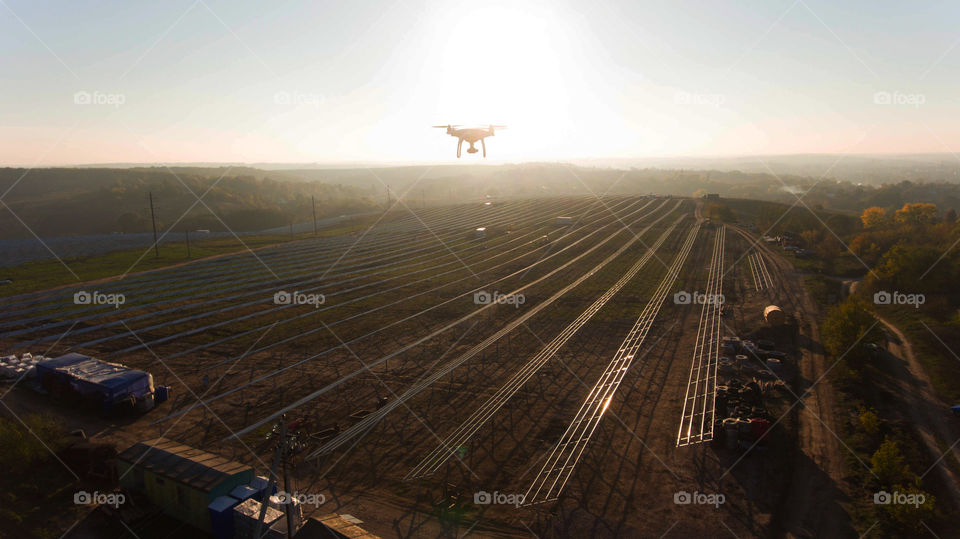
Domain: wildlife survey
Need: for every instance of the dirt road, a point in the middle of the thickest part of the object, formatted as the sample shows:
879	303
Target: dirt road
812	508
929	415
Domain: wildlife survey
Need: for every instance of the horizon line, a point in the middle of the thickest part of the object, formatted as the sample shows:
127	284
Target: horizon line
444	163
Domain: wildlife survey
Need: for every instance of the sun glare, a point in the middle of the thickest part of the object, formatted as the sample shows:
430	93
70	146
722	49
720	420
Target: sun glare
502	64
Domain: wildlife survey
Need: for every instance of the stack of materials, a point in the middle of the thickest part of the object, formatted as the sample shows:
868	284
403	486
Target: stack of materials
245	520
745	420
17	368
102	385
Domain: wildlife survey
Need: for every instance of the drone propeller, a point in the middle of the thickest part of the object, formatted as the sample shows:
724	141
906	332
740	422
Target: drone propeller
445	126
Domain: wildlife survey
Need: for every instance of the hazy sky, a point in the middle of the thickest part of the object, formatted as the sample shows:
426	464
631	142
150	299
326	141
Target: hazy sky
299	81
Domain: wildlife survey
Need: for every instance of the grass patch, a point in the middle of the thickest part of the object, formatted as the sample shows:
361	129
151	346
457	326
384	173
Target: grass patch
936	357
33	485
824	290
44	274
845	265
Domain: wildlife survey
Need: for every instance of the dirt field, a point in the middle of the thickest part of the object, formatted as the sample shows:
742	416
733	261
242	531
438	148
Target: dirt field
409	320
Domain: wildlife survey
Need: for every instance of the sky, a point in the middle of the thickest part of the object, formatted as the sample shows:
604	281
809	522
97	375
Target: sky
362	81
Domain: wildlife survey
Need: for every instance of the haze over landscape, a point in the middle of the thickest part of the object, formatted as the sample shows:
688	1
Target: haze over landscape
236	82
532	268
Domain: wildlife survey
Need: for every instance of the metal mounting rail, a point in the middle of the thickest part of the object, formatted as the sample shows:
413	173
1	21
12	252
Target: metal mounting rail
696	421
565	455
448	447
758	268
395	323
367	422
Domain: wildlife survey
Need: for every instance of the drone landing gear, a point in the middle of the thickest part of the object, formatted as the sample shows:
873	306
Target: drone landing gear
471	149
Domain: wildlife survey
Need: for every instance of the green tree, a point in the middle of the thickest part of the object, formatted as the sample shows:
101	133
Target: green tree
810	238
910	517
890	466
917	213
903	265
846	327
869	422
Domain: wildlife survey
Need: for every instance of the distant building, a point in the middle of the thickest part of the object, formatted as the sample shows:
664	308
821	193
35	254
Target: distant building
712	196
564	221
181	480
480	232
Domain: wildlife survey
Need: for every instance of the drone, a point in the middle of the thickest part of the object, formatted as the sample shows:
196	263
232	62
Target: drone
471	136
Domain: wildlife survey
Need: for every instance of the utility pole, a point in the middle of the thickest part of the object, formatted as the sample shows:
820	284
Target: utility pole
314	203
187	233
153	219
288	508
287	445
388	198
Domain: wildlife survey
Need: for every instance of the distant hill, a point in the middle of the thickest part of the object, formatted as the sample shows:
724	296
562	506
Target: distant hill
873	169
68	201
854	168
61	201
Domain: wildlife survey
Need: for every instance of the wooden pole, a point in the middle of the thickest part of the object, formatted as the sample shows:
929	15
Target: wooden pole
153	219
